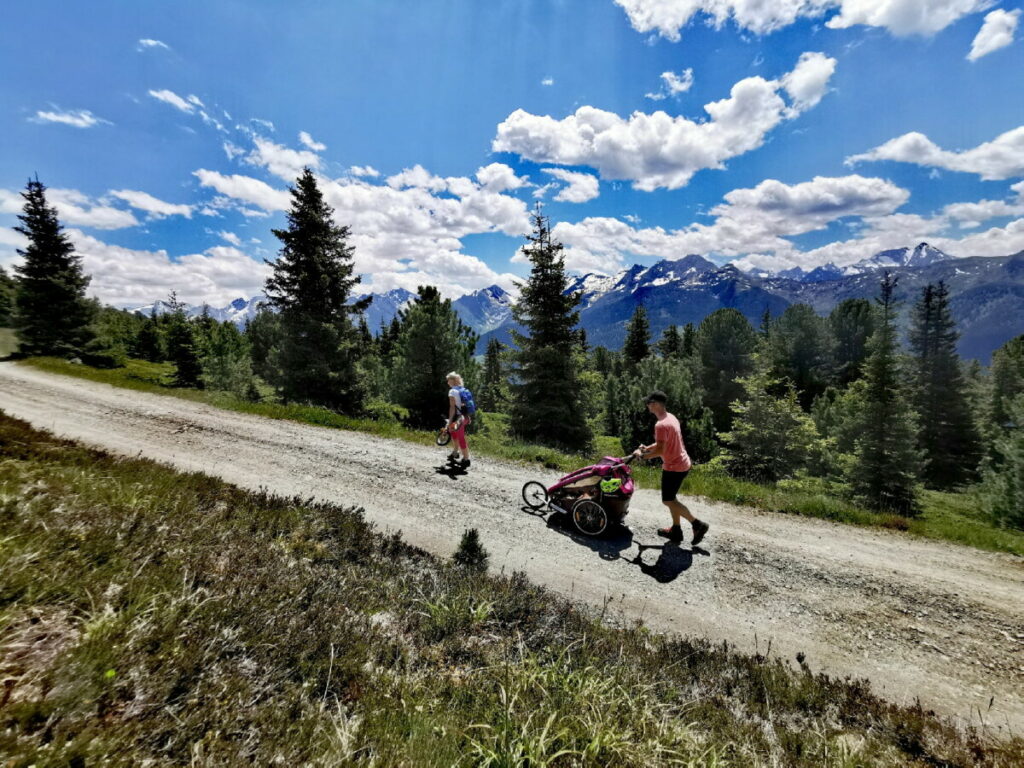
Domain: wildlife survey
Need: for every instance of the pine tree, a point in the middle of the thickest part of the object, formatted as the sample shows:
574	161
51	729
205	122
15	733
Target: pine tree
885	471
494	387
689	340
771	435
638	338
7	289
852	323
1002	489
263	332
947	433
182	348
801	349
149	345
225	360
315	357
52	315
630	421
432	343
1007	380
546	405
725	346
671	343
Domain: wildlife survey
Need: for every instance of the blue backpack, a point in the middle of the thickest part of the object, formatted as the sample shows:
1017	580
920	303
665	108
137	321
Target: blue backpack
468	406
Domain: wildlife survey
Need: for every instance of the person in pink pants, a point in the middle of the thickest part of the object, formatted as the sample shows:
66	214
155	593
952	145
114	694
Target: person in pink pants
458	420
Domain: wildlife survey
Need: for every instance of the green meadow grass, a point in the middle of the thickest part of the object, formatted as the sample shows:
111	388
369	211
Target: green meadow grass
150	617
8	342
946	516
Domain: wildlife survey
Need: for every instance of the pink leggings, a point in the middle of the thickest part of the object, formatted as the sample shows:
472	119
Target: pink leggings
460	434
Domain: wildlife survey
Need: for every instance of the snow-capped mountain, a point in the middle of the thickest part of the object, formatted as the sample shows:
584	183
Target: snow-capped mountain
238	311
922	255
385	306
486	309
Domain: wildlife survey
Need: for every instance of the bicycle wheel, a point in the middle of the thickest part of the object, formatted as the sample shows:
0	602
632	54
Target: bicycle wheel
589	517
443	437
535	495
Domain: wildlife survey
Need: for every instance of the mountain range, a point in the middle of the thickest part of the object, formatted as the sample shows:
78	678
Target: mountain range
986	296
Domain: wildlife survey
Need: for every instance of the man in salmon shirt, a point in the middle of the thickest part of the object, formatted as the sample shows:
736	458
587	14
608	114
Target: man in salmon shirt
668	444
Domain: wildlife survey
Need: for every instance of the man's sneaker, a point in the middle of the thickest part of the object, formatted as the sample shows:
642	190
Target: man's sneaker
674	533
699	529
453	456
464	464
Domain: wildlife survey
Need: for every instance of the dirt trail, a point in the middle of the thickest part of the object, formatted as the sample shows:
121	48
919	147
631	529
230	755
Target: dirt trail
920	619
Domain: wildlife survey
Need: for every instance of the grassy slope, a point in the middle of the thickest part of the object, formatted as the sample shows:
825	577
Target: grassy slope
8	342
152	617
949	517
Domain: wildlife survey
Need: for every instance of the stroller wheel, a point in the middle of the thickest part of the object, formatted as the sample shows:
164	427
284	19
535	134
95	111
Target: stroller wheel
589	517
535	495
443	437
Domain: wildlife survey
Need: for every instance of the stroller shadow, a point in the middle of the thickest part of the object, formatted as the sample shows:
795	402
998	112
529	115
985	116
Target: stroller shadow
450	470
608	546
671	562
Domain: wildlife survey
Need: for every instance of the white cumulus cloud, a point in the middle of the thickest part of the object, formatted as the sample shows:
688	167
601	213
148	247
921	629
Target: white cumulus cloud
658	150
497	177
310	143
156	208
1001	158
283	162
579	187
996	32
672	85
900	17
364	170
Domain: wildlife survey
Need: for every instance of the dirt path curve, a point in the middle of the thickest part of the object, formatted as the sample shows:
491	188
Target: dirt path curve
918	618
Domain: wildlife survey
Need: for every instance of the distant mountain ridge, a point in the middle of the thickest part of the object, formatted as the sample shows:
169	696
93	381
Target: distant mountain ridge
986	295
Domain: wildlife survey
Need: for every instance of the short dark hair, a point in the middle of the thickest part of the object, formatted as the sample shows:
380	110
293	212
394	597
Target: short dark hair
657	396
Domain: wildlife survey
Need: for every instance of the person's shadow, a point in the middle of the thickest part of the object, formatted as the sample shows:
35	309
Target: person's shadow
671	562
451	469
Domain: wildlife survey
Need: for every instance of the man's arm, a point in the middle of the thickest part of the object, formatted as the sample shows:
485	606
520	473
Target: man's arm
652	451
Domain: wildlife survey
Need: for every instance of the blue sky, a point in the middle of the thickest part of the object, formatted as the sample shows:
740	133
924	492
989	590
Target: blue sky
167	132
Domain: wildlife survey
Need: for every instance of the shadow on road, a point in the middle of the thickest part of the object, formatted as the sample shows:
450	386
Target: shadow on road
672	559
453	471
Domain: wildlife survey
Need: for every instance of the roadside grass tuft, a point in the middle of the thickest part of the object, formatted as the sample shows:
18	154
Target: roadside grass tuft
954	517
150	617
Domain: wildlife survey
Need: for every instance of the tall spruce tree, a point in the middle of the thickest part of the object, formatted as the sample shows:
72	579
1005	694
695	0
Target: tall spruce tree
432	343
316	354
638	338
725	346
852	322
1002	489
689	340
1007	380
670	346
494	384
947	433
182	345
52	315
771	435
7	288
546	406
801	350
884	474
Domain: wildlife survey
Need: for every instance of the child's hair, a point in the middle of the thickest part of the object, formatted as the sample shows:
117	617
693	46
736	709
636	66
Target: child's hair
453	376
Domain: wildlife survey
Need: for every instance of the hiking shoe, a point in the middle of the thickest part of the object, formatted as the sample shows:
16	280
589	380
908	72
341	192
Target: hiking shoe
464	463
673	533
699	529
453	456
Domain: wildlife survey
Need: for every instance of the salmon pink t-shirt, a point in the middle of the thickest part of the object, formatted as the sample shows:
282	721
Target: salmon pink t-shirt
668	433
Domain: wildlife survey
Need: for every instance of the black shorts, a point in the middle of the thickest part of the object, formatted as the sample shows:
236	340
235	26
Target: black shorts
670	482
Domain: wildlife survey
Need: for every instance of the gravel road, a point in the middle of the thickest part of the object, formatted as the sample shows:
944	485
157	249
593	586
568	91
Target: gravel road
920	619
